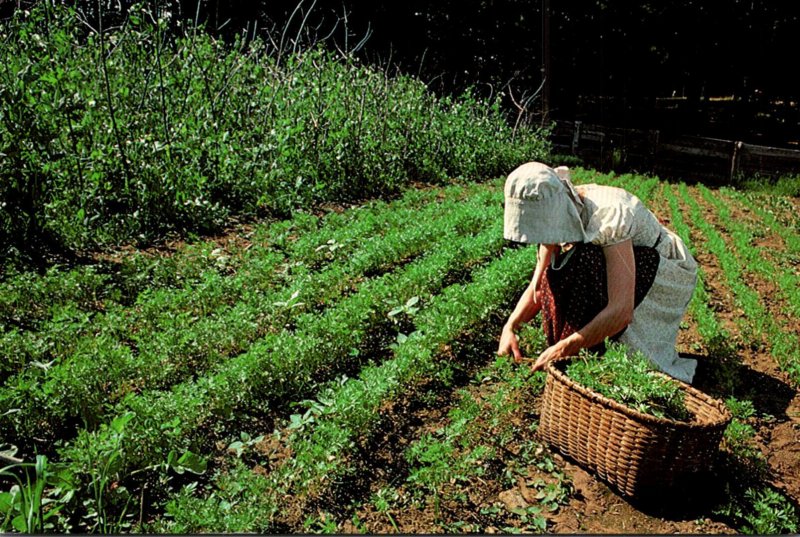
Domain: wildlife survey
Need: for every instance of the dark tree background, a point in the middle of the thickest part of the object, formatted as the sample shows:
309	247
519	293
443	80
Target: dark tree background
713	68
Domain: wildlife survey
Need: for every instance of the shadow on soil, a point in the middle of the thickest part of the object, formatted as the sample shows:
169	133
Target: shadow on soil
703	494
722	378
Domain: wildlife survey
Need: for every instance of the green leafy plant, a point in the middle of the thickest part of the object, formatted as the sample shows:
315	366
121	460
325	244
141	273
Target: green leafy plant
324	524
34	502
383	500
739	437
531	519
125	132
761	511
244	443
737	257
630	378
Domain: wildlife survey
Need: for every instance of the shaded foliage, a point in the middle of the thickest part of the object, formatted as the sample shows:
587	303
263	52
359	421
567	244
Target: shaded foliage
630	54
127	130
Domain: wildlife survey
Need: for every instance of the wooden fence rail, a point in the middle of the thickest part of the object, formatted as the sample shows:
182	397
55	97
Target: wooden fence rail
690	158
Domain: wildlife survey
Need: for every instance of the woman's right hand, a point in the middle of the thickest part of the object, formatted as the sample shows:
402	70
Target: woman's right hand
509	344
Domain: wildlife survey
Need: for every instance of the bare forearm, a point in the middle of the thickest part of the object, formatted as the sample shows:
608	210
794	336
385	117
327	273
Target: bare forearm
605	324
526	309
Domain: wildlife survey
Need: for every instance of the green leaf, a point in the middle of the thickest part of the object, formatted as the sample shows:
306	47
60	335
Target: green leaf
172	424
118	424
20	524
193	463
188	462
49	78
296	421
6	502
238	447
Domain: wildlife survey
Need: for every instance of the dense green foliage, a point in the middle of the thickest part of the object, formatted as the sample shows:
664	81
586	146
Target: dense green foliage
631	379
787	185
112	135
685	49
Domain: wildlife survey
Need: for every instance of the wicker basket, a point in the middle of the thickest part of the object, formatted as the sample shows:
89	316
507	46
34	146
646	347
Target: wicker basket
638	454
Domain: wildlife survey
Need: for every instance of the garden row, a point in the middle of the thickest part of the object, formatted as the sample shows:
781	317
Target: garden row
171	333
360	310
751	503
346	413
350	319
741	261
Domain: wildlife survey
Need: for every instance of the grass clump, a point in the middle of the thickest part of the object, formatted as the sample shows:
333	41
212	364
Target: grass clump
629	378
785	185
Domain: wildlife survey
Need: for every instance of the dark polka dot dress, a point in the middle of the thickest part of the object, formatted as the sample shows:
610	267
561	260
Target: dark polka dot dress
575	289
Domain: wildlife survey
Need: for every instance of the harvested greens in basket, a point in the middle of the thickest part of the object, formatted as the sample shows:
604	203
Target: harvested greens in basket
630	379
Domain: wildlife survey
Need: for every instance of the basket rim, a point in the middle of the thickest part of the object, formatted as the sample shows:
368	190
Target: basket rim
725	416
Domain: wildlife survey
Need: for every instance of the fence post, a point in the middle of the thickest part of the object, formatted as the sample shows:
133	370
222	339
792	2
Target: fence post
654	138
576	137
737	146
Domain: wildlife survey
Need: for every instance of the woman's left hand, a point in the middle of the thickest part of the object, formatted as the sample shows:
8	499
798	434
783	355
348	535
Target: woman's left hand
550	353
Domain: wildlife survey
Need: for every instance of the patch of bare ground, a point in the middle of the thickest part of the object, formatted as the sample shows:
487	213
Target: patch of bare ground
597	509
760	379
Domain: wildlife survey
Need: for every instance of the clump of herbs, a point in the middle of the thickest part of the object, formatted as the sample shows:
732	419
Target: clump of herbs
629	378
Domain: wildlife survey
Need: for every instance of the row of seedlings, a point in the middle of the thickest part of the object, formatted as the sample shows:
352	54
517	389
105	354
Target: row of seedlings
743	235
158	431
750	503
82	388
350	410
44	317
763	223
758	324
296	242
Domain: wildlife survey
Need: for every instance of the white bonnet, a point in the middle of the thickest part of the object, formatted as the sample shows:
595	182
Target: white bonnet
542	206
